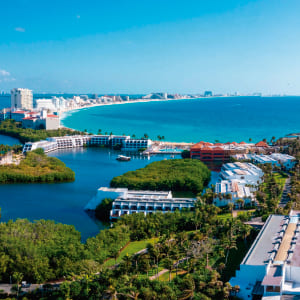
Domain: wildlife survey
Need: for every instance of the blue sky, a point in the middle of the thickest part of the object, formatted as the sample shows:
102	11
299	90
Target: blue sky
141	46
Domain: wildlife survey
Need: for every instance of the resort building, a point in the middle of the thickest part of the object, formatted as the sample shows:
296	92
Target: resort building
19	115
218	152
271	268
275	159
246	172
5	114
129	202
287	161
264	159
47	146
21	99
233	191
75	141
133	144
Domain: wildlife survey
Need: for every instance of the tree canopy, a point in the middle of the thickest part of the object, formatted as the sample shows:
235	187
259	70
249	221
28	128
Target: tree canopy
173	174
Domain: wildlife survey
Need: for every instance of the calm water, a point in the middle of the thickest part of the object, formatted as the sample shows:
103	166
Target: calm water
7	140
224	119
64	202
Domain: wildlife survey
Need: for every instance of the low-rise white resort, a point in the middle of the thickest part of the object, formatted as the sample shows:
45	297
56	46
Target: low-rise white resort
271	268
232	191
275	159
65	142
128	202
237	184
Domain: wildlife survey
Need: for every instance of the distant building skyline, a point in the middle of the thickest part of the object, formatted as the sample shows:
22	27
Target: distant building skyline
138	47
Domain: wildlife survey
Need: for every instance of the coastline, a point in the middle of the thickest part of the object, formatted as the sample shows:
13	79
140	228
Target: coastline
64	114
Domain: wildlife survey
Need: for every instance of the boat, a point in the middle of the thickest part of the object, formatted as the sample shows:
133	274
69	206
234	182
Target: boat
123	158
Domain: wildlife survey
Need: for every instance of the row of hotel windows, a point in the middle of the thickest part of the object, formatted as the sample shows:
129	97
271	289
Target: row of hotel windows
149	208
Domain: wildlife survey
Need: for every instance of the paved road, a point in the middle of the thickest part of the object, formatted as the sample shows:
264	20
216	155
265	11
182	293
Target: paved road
6	288
286	190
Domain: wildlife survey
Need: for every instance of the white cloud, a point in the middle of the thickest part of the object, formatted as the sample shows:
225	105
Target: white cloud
20	29
4	73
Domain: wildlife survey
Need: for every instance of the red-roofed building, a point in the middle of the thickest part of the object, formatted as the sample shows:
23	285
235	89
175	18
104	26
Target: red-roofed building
262	144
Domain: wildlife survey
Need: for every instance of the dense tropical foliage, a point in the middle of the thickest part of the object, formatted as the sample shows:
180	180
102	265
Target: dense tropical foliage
197	252
36	167
175	175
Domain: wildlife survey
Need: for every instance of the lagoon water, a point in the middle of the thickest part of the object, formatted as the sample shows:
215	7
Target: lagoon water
64	202
224	119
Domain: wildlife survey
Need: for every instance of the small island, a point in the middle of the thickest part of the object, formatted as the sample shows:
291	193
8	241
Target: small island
35	167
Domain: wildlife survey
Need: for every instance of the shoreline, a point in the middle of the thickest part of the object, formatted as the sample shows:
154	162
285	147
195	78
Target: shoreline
64	113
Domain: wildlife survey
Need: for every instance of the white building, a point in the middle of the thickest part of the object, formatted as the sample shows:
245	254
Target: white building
75	141
135	144
21	99
47	146
271	268
230	191
242	171
129	202
286	160
264	159
45	104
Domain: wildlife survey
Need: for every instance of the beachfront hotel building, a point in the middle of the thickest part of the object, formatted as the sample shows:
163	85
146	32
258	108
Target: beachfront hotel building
75	141
128	202
21	99
218	152
231	191
271	268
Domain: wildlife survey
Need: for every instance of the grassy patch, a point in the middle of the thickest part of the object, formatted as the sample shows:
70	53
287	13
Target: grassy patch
165	276
132	248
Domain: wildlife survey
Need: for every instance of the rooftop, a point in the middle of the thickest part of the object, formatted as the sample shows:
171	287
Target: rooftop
258	254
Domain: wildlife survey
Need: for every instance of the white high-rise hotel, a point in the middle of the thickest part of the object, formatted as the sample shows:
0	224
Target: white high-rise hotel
21	98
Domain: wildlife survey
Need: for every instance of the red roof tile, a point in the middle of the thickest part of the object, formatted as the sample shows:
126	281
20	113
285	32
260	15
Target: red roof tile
262	144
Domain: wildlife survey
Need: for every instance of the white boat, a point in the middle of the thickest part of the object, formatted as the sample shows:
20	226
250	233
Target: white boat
123	158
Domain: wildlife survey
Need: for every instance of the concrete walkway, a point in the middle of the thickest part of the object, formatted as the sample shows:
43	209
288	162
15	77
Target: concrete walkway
159	274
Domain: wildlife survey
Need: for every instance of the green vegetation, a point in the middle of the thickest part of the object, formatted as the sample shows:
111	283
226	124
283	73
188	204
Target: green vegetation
205	244
130	249
175	175
103	209
36	167
14	129
5	148
270	191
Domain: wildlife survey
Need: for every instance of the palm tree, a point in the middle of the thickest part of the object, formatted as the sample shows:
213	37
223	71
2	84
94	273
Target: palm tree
99	131
17	276
230	207
240	202
127	262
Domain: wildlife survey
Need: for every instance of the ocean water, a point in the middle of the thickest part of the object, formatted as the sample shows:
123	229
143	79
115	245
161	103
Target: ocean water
210	119
64	202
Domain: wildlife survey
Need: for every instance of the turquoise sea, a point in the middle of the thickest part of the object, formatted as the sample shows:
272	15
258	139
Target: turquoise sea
224	119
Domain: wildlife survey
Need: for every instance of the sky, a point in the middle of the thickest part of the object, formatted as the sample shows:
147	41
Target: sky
144	46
